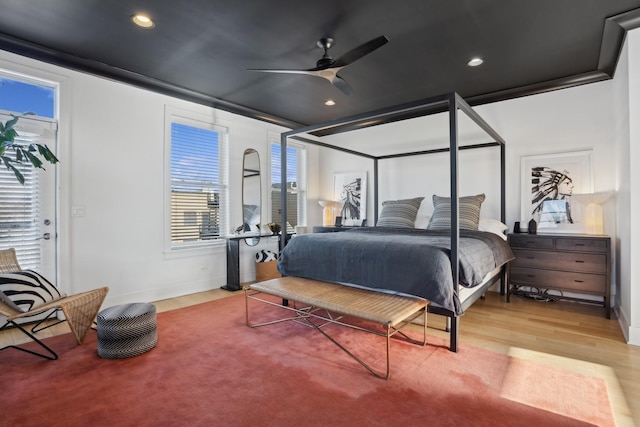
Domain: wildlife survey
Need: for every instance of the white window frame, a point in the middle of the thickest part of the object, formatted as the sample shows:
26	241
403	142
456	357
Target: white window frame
204	121
302	177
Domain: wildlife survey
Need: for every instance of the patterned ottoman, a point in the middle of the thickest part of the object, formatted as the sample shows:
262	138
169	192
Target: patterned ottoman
126	330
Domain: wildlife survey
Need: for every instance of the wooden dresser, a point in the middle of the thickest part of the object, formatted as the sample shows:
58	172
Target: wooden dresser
574	263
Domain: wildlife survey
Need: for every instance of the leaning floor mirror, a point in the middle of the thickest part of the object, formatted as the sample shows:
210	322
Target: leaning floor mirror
251	195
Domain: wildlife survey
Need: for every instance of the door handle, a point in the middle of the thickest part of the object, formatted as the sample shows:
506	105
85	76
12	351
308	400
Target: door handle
45	236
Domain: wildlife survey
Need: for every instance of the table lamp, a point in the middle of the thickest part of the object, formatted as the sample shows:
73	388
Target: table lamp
593	217
329	213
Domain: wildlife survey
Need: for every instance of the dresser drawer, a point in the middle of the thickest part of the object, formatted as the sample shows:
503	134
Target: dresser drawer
563	280
570	261
525	241
585	245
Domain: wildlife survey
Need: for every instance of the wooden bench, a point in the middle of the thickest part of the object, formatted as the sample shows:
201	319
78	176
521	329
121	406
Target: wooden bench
330	303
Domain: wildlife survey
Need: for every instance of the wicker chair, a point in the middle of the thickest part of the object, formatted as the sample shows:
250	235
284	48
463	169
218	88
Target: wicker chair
80	310
8	264
9	261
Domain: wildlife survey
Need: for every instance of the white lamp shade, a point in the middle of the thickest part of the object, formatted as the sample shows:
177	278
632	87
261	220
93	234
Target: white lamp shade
329	211
593	218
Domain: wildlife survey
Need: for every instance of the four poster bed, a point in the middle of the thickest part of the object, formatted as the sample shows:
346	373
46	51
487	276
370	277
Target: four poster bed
451	268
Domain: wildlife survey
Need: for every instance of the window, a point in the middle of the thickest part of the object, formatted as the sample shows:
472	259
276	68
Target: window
196	180
21	97
296	185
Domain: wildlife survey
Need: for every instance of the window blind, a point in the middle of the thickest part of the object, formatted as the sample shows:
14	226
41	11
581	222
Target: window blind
195	184
20	213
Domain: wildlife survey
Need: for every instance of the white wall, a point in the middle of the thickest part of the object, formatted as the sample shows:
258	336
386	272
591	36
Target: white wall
628	155
111	150
623	196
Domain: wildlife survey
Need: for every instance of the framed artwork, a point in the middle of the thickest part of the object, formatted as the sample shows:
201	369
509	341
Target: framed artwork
350	190
548	182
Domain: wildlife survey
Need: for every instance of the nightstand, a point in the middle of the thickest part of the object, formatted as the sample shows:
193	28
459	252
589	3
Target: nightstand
575	263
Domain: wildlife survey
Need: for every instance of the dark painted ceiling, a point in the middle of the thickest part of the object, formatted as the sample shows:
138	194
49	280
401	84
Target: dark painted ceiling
200	49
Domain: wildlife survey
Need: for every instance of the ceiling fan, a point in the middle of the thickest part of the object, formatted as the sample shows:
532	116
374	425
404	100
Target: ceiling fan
328	68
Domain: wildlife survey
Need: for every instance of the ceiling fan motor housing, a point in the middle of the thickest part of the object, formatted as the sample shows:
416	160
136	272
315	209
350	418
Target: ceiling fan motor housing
326	60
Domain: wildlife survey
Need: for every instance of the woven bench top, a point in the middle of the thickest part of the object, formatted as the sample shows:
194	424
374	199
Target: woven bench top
379	307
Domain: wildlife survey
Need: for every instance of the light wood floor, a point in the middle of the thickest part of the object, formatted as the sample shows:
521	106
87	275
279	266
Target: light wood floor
569	335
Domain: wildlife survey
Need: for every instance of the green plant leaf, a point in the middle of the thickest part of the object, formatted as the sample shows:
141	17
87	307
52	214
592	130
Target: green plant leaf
35	161
17	173
22	152
8	162
11	123
10	135
47	154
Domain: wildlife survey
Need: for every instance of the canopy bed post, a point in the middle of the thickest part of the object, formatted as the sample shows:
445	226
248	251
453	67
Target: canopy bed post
375	191
455	229
473	115
503	211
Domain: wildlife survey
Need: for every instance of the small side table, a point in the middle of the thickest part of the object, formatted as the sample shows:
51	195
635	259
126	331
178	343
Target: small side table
233	258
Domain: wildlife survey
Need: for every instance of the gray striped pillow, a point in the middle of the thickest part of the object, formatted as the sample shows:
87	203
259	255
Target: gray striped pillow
469	212
399	213
26	290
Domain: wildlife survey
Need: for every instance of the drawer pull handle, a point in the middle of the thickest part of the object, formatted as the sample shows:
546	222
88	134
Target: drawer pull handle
531	275
579	244
531	257
579	281
579	261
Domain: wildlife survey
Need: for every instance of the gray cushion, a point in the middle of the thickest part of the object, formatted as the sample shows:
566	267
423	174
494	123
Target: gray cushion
27	290
399	213
469	212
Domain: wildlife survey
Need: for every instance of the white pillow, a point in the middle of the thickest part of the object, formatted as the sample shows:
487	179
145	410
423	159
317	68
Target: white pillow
493	226
422	221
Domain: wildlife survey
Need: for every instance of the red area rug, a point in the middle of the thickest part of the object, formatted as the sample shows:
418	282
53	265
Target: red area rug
210	369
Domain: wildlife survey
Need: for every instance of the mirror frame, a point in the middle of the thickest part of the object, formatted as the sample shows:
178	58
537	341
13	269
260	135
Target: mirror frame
249	171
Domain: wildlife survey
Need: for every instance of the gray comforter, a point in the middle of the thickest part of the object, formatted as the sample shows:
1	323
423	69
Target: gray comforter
411	261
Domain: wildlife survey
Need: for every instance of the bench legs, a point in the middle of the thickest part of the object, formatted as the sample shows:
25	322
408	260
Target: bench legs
306	315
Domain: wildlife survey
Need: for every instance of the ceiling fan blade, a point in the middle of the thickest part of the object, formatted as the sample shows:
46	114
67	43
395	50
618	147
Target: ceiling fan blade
360	51
342	84
327	74
307	72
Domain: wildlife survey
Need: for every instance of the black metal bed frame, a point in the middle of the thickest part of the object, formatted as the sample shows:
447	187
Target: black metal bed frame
451	102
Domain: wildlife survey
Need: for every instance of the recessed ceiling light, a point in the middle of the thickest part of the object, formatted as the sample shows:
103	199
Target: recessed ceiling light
330	102
143	21
474	62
